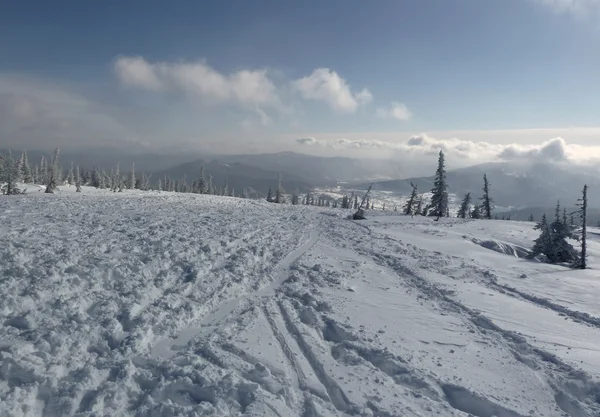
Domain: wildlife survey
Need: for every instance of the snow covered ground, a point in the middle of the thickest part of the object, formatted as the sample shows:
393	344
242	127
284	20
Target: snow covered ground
160	304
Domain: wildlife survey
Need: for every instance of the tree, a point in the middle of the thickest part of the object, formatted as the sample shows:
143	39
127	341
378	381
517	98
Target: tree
201	182
345	202
420	210
146	183
465	205
296	197
270	195
486	201
279	197
225	189
439	198
544	241
78	180
43	170
476	212
54	175
582	214
25	172
9	175
71	175
210	187
531	219
131	184
560	250
409	209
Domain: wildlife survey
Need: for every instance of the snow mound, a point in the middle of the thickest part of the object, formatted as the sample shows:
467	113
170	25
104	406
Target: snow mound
502	247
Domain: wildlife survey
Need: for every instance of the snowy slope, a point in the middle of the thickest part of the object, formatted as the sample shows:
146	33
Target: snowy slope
159	304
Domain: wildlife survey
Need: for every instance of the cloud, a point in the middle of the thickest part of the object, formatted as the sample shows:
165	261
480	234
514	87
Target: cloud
306	141
135	71
396	110
37	114
327	86
464	152
578	7
197	79
552	150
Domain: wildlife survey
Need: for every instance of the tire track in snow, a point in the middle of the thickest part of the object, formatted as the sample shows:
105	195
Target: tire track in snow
336	395
546	303
298	379
165	348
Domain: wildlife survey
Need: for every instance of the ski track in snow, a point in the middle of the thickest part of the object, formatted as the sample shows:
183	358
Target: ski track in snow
158	304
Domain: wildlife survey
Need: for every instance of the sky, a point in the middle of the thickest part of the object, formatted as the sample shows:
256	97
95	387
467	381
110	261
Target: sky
483	80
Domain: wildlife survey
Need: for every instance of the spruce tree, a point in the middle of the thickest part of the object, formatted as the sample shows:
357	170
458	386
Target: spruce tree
476	212
560	249
486	201
78	180
10	175
35	175
270	195
201	182
210	187
582	214
420	209
345	202
409	209
54	175
97	179
296	197
439	198
225	189
71	175
543	244
131	182
25	169
43	171
279	198
465	206
531	219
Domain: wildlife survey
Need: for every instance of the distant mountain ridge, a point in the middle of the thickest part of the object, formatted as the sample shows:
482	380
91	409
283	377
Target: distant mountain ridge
318	170
512	184
236	175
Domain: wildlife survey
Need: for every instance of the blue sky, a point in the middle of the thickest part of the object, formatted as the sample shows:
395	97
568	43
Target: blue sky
256	75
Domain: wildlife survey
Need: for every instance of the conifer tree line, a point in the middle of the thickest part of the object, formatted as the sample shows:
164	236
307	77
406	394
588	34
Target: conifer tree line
51	173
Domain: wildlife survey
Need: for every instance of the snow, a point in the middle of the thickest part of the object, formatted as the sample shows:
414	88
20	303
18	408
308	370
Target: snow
163	304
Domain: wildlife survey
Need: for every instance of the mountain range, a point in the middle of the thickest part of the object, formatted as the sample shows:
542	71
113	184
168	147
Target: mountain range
513	185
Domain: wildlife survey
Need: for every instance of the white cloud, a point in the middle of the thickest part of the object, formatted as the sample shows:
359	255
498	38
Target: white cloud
327	86
135	71
552	150
245	87
396	110
464	152
578	7
36	114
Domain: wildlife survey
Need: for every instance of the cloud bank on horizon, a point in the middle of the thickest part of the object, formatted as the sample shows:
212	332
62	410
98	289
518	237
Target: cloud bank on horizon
465	152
